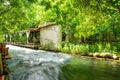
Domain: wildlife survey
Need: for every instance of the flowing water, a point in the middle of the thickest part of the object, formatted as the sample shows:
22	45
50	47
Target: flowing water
28	64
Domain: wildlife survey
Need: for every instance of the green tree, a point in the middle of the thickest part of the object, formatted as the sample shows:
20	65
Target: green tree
78	18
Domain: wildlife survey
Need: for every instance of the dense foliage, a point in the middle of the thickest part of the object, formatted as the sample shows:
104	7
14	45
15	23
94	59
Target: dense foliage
76	48
81	20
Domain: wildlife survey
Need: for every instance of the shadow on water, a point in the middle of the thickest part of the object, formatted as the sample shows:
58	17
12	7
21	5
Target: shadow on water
90	69
28	64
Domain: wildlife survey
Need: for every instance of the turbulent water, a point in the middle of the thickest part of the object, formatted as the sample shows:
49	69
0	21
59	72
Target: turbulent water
28	64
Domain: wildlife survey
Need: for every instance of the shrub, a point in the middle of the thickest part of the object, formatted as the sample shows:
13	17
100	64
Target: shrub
100	47
107	48
85	49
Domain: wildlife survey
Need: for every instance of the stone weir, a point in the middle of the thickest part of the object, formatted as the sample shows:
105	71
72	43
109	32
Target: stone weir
3	65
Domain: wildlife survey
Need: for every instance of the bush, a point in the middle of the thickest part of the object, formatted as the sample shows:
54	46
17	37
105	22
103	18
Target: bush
85	49
107	47
100	47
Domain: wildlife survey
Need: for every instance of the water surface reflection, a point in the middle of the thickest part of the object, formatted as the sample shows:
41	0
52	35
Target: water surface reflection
90	69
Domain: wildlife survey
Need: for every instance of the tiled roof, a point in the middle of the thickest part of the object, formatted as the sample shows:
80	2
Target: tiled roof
47	24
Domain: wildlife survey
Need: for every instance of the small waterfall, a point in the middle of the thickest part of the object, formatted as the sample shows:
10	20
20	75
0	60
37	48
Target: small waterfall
28	64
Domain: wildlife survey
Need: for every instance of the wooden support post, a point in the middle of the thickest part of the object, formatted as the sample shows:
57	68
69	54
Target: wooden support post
27	35
3	65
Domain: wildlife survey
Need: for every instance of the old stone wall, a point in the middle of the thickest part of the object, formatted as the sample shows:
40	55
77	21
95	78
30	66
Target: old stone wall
50	36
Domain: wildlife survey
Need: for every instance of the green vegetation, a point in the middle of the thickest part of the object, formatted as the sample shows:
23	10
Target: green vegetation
86	48
46	47
97	50
93	24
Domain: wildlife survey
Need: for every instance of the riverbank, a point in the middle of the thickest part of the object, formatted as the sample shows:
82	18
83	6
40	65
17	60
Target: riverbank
97	50
99	58
106	55
117	59
96	55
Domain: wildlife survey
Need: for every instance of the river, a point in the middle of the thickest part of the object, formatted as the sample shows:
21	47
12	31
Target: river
29	64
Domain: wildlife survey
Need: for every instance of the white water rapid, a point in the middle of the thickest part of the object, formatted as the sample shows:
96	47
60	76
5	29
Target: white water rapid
29	64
